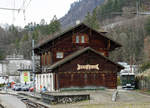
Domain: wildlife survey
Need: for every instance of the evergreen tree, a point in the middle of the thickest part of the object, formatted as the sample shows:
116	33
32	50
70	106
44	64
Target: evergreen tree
54	25
1	54
25	37
91	20
147	26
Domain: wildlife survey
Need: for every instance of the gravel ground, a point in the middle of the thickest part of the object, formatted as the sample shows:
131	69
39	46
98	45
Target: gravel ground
11	101
102	99
132	96
99	99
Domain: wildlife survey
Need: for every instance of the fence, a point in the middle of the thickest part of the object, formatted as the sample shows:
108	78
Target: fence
143	83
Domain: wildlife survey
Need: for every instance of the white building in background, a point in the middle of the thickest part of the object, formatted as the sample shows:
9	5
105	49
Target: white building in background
128	68
11	65
3	67
25	76
3	71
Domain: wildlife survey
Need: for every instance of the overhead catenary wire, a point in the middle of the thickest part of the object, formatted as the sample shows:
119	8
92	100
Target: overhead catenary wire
23	4
13	12
10	9
22	8
13	9
28	4
24	11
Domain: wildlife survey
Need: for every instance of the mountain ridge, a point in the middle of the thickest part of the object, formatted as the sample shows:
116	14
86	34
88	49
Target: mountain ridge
78	11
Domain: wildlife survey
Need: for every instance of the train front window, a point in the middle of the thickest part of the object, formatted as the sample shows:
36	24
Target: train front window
131	77
124	77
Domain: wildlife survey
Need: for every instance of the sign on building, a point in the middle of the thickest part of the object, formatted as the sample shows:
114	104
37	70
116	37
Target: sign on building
25	77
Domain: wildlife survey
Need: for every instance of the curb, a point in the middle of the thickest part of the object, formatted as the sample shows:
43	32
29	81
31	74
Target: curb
114	96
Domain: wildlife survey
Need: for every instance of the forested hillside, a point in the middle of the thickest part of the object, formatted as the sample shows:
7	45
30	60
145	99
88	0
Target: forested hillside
131	35
18	40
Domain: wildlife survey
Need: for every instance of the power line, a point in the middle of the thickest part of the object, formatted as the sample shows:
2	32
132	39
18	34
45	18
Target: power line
22	8
10	9
13	13
28	4
23	5
24	11
24	16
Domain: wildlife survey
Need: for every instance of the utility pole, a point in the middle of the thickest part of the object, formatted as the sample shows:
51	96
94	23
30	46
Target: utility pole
33	65
137	8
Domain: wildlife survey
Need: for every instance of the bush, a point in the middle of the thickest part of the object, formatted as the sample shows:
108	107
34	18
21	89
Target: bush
144	66
2	85
118	81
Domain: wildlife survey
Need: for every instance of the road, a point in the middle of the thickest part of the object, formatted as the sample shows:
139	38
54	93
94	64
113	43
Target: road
132	96
10	101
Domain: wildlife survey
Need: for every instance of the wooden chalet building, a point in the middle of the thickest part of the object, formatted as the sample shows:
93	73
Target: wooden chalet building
77	57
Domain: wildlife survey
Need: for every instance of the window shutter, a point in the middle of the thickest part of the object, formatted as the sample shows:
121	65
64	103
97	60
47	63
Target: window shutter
45	58
42	59
86	39
48	58
73	39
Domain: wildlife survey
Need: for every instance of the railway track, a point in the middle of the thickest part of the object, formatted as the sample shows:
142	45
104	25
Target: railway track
1	106
31	104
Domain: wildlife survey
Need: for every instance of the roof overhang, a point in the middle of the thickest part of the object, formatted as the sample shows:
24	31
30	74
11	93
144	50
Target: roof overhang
40	46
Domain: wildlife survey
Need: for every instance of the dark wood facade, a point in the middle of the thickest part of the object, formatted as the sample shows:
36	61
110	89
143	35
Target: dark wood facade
66	43
68	75
95	48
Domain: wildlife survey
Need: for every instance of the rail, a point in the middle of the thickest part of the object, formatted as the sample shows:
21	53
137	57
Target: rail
31	104
1	106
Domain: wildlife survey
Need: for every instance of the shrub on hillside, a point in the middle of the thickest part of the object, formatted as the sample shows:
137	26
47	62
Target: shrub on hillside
144	66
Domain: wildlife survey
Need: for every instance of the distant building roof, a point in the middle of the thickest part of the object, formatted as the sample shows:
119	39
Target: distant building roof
14	57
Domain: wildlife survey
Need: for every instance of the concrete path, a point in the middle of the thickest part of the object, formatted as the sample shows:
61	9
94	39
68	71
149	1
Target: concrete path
11	101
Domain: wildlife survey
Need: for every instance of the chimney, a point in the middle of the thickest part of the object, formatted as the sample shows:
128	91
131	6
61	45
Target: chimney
77	22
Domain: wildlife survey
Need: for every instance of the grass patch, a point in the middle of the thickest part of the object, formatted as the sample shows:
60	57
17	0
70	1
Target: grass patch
143	91
83	89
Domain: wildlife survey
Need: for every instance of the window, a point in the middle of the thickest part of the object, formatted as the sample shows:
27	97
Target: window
82	39
59	55
77	39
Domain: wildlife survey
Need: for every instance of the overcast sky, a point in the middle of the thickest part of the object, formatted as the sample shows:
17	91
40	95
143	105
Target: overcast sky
35	11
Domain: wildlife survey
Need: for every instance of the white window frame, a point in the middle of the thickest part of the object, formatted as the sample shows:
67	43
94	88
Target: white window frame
59	55
77	39
82	39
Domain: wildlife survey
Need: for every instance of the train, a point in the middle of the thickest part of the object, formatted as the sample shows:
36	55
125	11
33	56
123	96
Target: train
127	80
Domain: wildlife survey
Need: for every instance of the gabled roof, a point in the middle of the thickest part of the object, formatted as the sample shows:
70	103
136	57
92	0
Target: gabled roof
81	24
77	53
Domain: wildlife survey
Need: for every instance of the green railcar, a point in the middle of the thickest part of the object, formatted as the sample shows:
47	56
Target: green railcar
127	80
